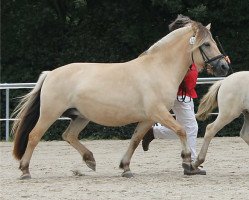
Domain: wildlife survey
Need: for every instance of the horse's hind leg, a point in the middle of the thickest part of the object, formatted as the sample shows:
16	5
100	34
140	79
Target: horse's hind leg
139	133
71	136
244	133
43	123
211	130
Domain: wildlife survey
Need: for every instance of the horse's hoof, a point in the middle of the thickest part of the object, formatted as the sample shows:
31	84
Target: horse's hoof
127	174
197	171
25	177
91	164
187	166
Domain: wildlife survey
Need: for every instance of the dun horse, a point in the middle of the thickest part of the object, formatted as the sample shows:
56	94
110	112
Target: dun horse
231	95
142	90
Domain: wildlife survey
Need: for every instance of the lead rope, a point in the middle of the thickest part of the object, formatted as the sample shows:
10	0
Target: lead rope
224	53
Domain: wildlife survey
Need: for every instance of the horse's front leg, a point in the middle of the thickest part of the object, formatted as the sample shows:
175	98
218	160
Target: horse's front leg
139	133
163	116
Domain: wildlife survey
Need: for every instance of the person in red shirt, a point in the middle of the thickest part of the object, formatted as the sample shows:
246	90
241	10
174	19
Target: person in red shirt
183	108
187	87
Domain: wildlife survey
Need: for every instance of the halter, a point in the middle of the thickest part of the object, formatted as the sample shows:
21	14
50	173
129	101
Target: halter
206	59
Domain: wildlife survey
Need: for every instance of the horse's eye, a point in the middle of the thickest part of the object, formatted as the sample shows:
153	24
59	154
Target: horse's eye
207	44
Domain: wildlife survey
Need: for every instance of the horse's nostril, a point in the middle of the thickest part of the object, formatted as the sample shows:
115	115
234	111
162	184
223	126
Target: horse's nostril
224	67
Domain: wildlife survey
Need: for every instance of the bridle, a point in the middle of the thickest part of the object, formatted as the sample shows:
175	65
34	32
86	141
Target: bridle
205	58
208	60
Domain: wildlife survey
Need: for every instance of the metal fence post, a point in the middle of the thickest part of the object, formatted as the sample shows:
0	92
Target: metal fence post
7	122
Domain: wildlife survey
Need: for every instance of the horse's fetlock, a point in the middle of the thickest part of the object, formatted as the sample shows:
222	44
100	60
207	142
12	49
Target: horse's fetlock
124	165
121	165
24	167
186	156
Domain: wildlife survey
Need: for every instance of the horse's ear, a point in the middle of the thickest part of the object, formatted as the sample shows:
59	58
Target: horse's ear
208	26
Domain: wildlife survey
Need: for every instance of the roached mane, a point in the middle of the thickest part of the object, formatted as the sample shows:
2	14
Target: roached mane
200	31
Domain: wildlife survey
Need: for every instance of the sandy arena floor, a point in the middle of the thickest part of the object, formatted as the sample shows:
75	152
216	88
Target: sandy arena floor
58	172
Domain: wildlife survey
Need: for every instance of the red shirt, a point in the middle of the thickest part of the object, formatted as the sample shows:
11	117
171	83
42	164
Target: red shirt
187	87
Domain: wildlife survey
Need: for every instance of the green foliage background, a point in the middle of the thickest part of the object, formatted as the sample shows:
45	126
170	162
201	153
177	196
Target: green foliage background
43	35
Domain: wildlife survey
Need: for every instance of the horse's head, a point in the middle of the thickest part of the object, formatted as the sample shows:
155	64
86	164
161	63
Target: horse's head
205	51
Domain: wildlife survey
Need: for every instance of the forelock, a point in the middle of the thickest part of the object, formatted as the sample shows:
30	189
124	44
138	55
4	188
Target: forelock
179	22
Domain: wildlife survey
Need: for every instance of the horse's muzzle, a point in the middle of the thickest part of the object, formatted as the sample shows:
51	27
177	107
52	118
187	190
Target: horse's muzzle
220	67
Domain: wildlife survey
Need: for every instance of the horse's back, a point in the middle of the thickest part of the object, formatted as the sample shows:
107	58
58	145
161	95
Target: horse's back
238	82
234	91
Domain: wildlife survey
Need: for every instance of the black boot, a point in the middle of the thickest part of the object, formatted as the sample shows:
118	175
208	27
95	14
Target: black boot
148	137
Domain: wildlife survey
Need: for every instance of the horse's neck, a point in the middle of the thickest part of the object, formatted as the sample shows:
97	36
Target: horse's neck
175	57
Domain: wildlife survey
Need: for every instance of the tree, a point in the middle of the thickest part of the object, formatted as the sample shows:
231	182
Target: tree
43	35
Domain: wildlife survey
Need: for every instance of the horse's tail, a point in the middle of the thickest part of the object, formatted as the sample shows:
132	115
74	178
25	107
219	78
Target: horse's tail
208	102
27	113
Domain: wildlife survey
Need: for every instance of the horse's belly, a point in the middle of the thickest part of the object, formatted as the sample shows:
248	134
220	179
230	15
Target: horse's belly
110	115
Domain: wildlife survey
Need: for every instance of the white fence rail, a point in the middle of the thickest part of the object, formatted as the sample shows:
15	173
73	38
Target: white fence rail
8	86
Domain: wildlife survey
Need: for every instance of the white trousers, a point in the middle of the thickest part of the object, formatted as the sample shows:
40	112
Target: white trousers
185	115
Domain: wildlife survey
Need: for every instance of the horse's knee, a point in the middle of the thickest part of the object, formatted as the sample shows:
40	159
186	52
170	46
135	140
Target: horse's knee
180	132
64	136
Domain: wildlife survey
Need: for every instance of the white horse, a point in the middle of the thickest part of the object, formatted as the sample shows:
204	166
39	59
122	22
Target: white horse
231	95
142	90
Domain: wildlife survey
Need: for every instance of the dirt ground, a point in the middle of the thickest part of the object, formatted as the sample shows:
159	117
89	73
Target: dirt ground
58	172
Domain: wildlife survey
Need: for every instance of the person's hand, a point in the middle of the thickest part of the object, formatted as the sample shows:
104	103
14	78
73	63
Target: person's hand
209	69
228	59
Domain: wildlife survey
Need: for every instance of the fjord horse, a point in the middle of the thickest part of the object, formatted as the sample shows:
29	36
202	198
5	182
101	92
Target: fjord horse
231	96
142	90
